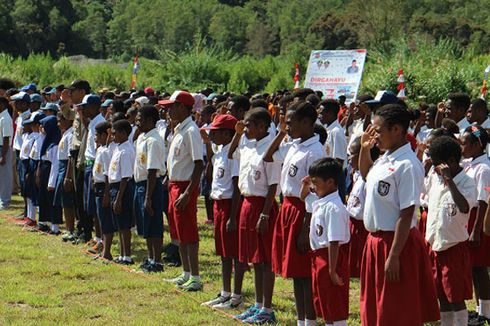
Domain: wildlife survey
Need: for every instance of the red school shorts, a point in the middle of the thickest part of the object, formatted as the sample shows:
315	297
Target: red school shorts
253	247
287	261
452	273
358	236
183	224
410	301
226	242
331	301
480	256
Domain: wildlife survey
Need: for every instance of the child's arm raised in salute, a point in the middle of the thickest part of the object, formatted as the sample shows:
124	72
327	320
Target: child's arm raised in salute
460	201
274	146
368	141
239	130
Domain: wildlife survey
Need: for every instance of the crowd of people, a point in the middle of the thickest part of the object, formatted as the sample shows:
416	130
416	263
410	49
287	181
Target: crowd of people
300	187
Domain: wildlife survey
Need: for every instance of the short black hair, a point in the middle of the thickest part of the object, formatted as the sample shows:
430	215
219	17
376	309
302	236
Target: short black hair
241	102
394	114
304	110
331	104
259	114
101	128
122	125
118	106
326	168
302	93
432	111
258	103
118	116
478	135
149	112
462	100
443	148
6	83
479	105
208	109
313	99
450	125
439	132
4	101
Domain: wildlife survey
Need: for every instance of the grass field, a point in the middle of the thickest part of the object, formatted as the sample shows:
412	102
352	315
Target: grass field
44	282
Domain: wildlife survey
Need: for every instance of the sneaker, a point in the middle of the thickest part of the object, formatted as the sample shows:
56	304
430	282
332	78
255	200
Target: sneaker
155	268
262	318
145	264
127	262
30	223
180	280
118	260
96	249
68	237
250	312
479	321
216	301
54	232
192	285
233	303
472	314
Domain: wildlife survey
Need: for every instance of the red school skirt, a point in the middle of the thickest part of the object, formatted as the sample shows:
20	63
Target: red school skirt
358	236
286	259
422	224
226	243
412	300
331	301
182	224
452	273
254	247
480	256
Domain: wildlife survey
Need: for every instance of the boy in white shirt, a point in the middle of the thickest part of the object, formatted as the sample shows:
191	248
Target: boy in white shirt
451	194
120	177
329	235
149	170
6	171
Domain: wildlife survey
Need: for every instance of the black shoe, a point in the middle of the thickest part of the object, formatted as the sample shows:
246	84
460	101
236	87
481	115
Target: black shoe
43	228
146	263
127	262
154	268
479	321
54	232
472	315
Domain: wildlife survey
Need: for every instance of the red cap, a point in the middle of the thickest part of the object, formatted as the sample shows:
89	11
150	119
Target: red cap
223	121
149	90
179	97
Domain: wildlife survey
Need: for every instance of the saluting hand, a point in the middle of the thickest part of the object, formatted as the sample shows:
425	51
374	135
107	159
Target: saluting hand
368	138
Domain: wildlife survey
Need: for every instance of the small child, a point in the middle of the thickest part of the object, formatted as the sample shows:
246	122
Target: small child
101	187
226	197
451	194
149	170
329	235
121	188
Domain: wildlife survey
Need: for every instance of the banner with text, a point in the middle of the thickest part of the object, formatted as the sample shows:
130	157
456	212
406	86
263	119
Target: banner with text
336	72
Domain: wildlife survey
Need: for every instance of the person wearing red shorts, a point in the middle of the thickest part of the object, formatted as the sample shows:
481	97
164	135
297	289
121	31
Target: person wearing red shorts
290	245
185	165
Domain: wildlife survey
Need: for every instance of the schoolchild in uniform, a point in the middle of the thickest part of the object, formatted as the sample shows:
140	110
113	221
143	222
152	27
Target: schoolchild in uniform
451	193
62	198
205	118
257	182
329	235
149	170
121	186
395	261
290	245
101	187
48	172
185	165
23	164
226	197
474	140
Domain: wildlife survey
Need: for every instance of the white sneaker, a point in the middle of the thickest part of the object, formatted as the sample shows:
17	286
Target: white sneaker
233	303
218	300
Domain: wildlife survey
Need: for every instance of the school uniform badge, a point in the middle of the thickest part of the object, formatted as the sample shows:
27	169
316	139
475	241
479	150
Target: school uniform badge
220	173
451	209
143	158
98	168
256	175
319	230
293	170
356	201
383	188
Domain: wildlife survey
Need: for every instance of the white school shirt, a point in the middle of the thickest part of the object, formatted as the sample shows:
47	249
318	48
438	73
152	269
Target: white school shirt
356	129
64	145
394	183
122	162
224	170
51	155
336	144
162	126
35	153
91	146
27	141
329	220
357	197
131	135
20	129
486	125
479	170
185	148
462	125
150	154
6	126
110	151
423	134
256	175
296	158
446	225
102	160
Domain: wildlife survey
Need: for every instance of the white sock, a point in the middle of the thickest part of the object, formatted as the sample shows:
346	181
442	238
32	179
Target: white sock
225	294
461	317
447	318
309	322
236	296
127	258
186	275
97	239
55	228
259	305
478	306
267	310
485	308
300	323
31	210
340	323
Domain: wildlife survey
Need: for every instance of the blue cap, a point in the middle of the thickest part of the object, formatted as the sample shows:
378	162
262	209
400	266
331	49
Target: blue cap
35	117
51	106
29	87
384	97
49	90
21	96
211	96
36	98
106	103
90	99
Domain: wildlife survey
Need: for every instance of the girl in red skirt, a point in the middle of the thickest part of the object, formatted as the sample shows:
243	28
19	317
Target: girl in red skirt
257	182
396	279
477	166
290	244
451	194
